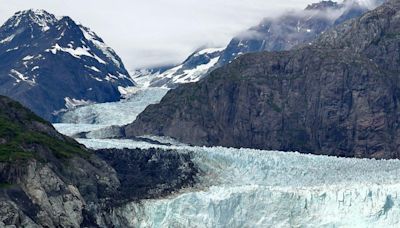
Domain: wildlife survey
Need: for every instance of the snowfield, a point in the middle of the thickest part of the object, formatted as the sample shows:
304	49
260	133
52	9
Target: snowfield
251	188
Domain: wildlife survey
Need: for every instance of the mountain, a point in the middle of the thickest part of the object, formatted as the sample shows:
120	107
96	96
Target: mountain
23	135
291	29
338	96
272	34
194	68
40	170
50	64
50	180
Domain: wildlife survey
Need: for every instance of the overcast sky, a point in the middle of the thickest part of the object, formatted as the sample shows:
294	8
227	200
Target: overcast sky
153	32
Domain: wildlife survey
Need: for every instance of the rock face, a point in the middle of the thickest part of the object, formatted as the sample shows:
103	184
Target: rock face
339	96
50	64
46	179
49	180
147	174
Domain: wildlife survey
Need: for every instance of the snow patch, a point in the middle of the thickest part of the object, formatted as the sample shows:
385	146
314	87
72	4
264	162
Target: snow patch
92	37
93	68
12	49
71	103
7	39
35	68
110	77
209	50
28	57
97	79
19	77
77	53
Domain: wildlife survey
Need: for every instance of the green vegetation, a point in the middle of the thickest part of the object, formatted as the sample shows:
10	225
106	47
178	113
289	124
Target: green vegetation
270	102
5	185
274	106
19	140
30	116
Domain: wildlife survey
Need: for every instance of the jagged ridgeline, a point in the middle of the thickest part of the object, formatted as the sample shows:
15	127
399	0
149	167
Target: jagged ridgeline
50	64
338	96
23	135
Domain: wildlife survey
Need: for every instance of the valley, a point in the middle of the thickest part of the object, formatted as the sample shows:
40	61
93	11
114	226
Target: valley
244	187
294	123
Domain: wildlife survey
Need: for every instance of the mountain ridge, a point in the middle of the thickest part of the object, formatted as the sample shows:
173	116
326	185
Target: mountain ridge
272	34
48	61
50	180
336	97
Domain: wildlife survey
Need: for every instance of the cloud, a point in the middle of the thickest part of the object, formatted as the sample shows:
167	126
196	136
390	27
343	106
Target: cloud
154	32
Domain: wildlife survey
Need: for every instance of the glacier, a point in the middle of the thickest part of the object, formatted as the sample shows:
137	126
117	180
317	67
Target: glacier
247	187
255	188
96	117
115	113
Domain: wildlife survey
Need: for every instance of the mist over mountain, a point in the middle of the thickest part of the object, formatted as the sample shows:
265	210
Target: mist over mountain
272	34
337	96
296	123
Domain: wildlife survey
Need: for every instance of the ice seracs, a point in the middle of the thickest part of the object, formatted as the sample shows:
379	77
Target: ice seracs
254	188
115	113
251	188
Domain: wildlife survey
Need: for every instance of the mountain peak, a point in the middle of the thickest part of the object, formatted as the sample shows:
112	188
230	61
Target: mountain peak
38	12
323	5
38	47
38	17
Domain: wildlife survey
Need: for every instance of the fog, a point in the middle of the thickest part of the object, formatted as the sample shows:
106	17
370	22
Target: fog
155	32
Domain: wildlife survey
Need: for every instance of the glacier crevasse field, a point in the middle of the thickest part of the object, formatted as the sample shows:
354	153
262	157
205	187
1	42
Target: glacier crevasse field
253	188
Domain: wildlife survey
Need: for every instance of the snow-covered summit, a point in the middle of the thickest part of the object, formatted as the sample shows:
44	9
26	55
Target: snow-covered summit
272	34
54	58
195	67
40	18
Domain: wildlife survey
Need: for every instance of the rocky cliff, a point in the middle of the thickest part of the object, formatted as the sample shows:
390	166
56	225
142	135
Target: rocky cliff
339	96
49	180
